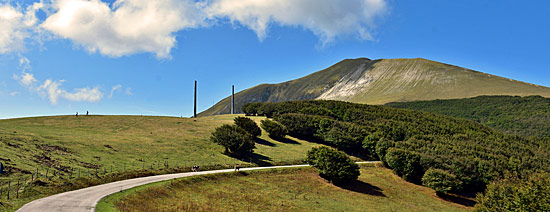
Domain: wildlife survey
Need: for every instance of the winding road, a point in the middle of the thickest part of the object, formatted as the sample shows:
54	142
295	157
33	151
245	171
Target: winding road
86	199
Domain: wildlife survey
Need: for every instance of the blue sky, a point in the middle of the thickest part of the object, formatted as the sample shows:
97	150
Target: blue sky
141	57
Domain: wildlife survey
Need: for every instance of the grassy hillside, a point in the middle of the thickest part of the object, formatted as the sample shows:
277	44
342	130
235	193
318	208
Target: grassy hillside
281	190
66	144
382	81
527	116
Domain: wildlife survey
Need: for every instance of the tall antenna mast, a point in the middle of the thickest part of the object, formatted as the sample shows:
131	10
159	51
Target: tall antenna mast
233	99
195	105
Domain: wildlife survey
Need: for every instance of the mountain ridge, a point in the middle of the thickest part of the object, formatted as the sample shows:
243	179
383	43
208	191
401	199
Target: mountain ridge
381	81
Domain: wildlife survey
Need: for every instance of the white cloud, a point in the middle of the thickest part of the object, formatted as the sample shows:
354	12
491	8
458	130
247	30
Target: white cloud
129	92
16	25
53	91
115	88
27	79
129	26
328	19
14	93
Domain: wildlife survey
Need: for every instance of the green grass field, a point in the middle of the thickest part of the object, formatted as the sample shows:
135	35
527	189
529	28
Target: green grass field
296	189
67	144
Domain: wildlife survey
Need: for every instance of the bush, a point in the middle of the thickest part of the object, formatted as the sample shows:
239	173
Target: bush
532	194
251	109
333	165
440	180
381	148
248	125
237	142
406	164
274	129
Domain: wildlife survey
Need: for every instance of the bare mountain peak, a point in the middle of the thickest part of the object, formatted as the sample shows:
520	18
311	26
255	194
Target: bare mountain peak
380	81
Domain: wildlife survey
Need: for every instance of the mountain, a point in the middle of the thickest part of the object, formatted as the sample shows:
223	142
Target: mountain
381	81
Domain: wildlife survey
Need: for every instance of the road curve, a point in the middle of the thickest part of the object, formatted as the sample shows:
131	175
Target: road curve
86	199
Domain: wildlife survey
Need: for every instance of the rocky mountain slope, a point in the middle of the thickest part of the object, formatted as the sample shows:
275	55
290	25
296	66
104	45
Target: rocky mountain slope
381	81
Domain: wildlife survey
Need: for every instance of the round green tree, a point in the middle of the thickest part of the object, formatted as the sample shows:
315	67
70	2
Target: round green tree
274	129
237	142
442	181
333	165
248	125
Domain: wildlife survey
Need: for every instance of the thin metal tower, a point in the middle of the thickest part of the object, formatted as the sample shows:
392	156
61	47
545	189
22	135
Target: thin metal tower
233	99
195	105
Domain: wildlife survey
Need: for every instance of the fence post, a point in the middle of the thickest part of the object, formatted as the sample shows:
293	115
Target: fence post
47	170
9	187
17	190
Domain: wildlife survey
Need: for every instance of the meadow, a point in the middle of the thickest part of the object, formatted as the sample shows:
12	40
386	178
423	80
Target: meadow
118	147
295	189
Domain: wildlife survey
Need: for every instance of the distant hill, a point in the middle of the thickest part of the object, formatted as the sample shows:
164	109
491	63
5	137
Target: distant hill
381	81
527	116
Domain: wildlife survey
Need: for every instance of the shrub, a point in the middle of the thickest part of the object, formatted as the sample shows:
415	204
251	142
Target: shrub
406	164
441	181
274	129
532	194
333	165
248	125
251	109
381	149
369	144
237	142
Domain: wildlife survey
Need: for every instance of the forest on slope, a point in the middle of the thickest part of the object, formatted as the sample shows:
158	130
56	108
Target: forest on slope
526	116
413	142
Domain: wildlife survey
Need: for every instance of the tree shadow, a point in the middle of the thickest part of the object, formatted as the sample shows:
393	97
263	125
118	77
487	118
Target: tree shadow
257	159
363	188
263	142
285	140
458	199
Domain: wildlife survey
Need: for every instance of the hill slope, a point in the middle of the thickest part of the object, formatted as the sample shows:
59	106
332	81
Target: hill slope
527	116
382	81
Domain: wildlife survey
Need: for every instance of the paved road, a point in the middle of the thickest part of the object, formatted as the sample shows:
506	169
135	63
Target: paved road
86	199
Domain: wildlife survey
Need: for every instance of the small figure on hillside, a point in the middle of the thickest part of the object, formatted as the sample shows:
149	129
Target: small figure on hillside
87	112
195	168
2	170
76	114
237	167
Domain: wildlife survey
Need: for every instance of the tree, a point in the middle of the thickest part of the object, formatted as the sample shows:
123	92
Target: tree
237	142
405	164
248	125
382	148
442	181
531	194
251	109
274	129
333	165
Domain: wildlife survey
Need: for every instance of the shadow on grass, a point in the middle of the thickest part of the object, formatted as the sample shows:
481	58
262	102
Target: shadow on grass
285	140
461	200
263	142
255	158
363	188
260	160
